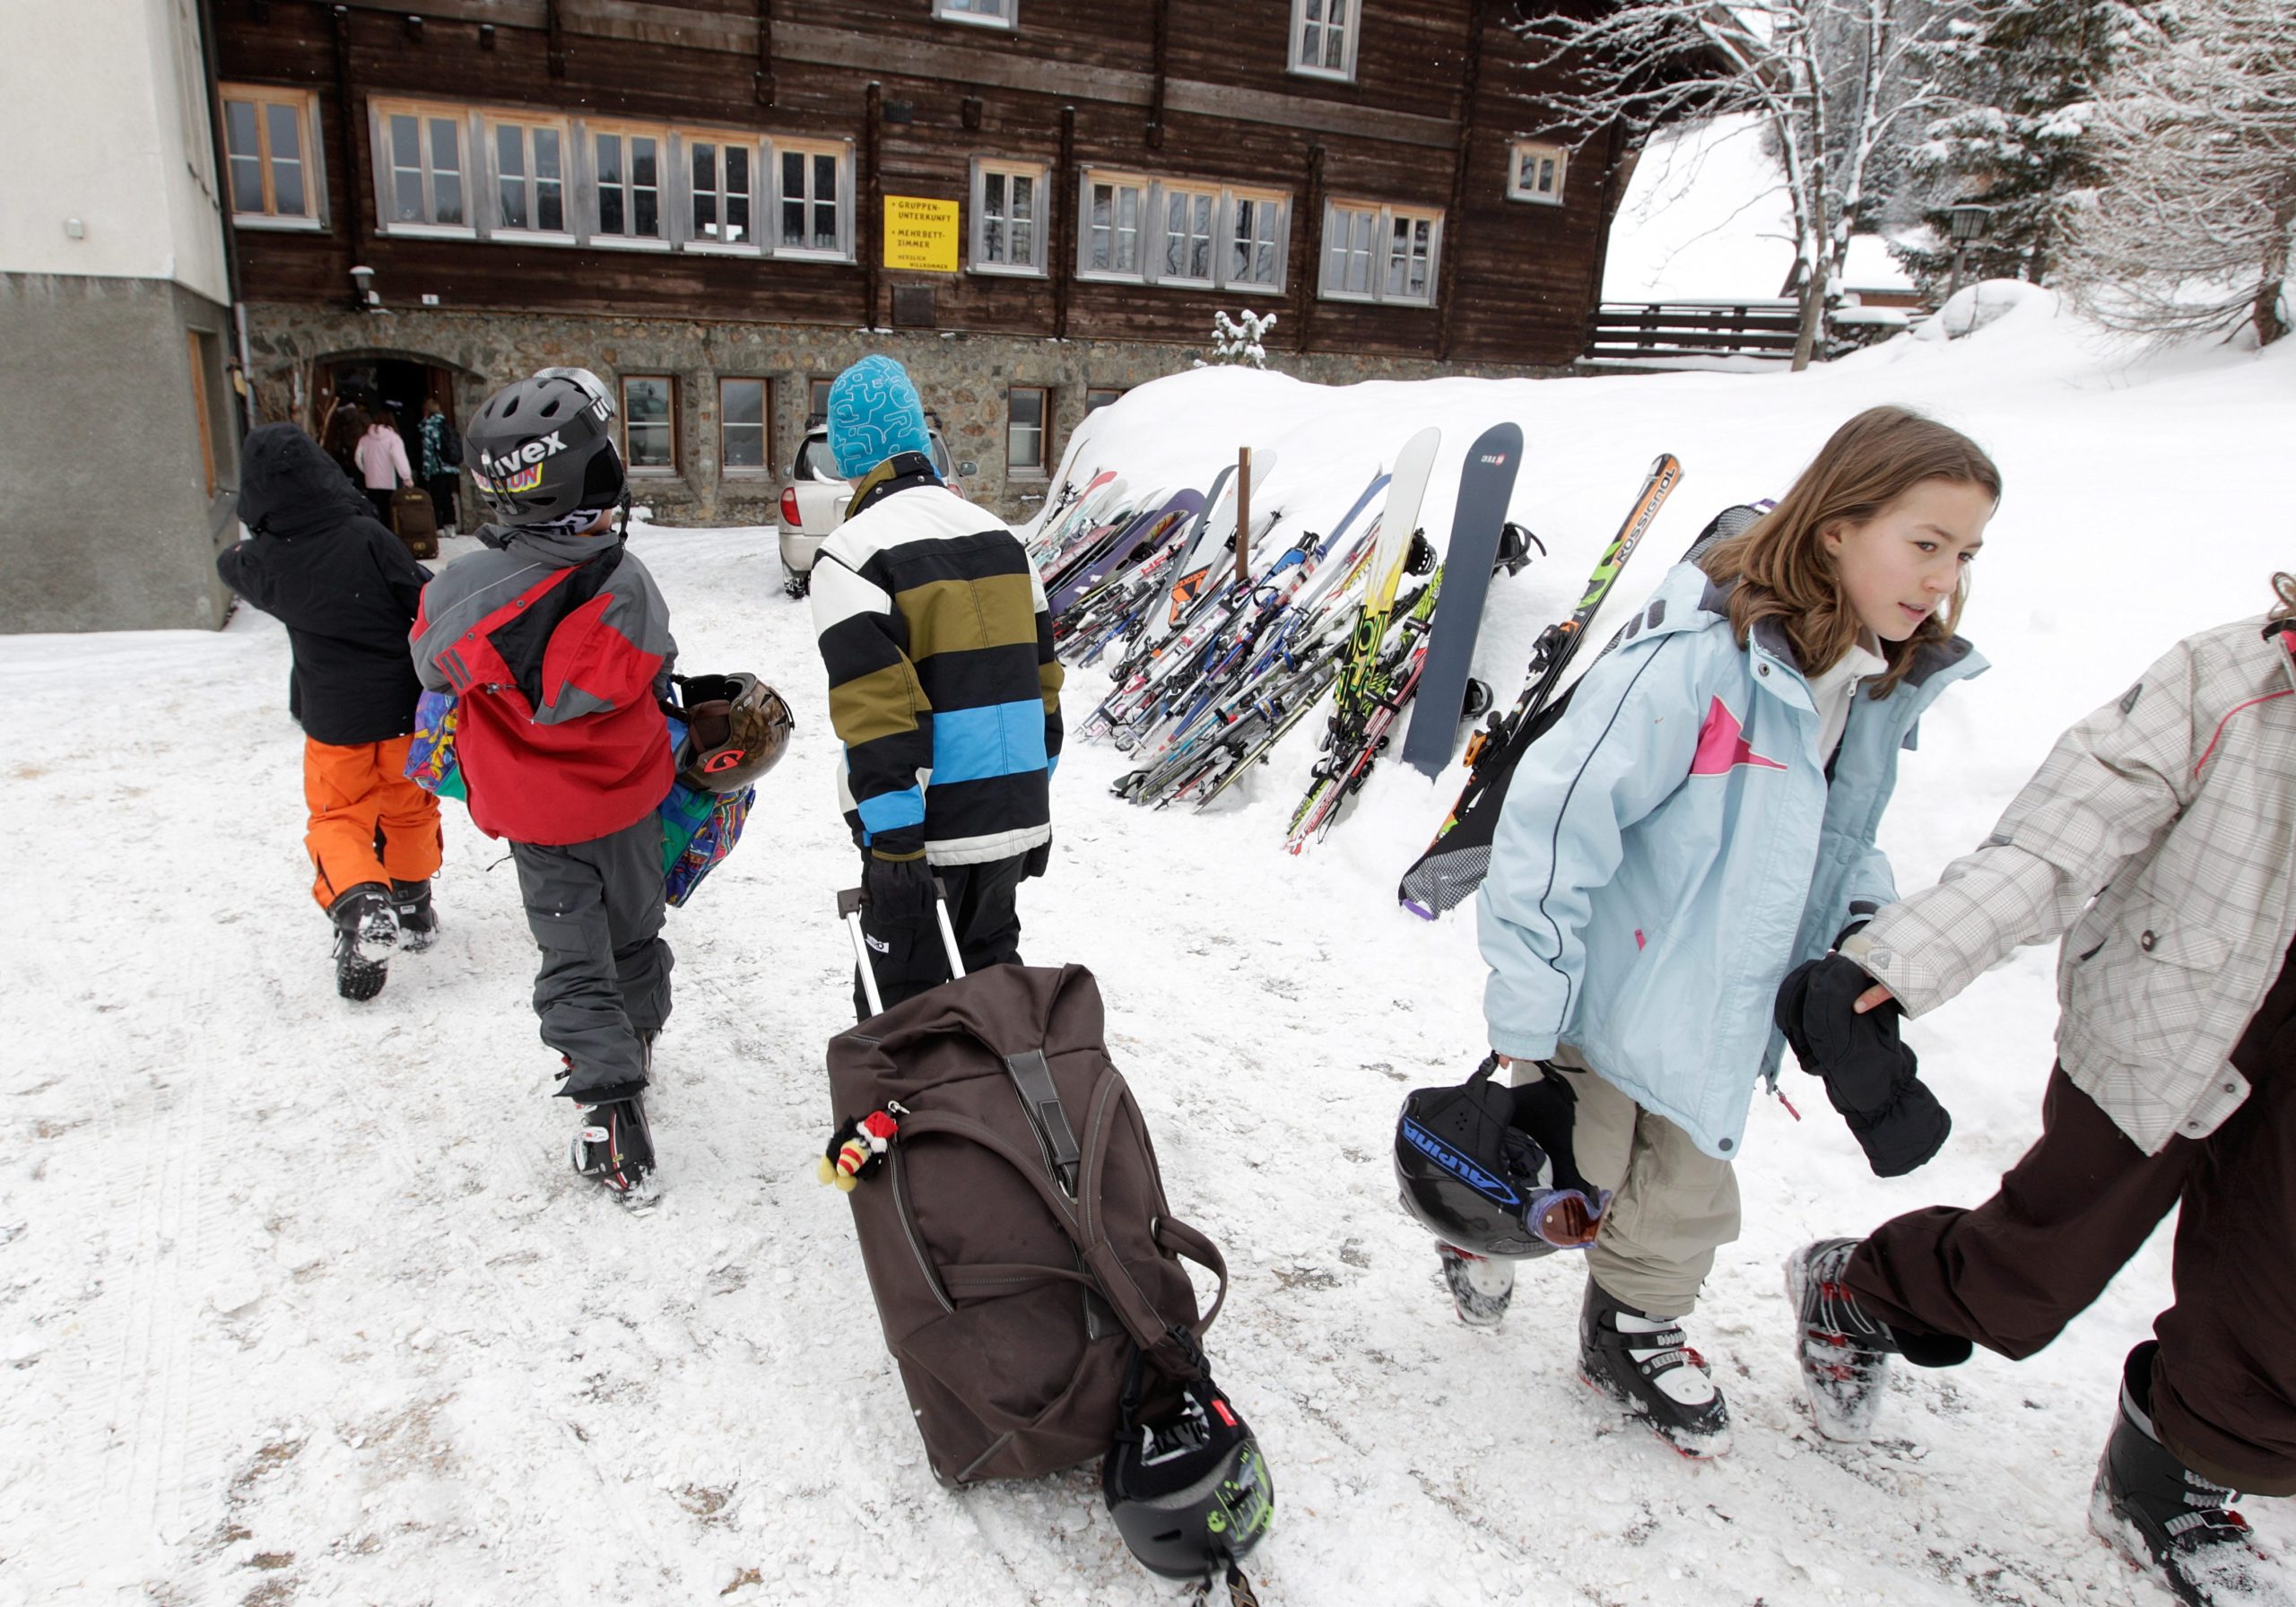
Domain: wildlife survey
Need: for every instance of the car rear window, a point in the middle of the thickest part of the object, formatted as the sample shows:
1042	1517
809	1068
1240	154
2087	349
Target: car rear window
815	462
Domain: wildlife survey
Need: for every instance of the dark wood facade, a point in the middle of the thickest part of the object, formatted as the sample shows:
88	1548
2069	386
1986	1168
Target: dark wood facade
1194	90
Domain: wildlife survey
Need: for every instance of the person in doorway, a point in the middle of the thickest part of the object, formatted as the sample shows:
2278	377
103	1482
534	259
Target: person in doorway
944	687
2174	1090
442	463
557	644
1700	819
382	468
347	591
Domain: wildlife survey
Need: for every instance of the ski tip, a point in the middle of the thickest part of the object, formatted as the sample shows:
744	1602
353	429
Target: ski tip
1417	908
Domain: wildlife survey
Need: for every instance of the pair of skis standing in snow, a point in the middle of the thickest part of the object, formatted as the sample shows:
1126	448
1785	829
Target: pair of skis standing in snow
1679	879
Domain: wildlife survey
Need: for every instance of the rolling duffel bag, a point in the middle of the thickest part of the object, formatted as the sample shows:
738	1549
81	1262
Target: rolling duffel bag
415	520
1012	1219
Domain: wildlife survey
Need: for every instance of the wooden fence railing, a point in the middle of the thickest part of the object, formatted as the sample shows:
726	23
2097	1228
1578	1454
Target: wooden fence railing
1679	329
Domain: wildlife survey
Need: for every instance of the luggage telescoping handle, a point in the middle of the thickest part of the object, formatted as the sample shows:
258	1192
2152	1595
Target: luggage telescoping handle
849	909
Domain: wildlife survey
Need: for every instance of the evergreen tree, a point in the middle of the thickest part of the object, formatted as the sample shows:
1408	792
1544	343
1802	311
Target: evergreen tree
2026	75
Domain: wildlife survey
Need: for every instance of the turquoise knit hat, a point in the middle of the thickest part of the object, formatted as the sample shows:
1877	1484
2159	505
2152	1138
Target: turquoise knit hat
873	414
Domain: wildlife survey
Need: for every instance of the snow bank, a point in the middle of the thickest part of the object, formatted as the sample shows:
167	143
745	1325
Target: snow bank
297	1300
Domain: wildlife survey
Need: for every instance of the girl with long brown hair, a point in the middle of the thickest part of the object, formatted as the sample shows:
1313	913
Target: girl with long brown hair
1699	822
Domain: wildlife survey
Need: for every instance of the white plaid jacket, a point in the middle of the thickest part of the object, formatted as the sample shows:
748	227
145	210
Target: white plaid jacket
2160	839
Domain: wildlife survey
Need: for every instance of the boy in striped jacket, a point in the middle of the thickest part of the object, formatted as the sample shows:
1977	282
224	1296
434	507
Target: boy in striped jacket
943	688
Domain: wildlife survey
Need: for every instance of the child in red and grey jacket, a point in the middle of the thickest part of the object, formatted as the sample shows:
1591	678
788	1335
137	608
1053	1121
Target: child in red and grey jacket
557	642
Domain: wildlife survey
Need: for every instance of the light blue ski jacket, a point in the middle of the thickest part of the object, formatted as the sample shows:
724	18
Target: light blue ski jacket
1672	848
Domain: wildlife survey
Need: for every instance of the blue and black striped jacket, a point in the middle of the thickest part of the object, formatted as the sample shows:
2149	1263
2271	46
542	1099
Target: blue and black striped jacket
942	682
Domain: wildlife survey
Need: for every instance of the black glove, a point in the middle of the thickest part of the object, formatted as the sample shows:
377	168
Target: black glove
1034	862
898	893
1869	1073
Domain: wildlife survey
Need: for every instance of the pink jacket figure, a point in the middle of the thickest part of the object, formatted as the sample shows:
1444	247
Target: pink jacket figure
381	457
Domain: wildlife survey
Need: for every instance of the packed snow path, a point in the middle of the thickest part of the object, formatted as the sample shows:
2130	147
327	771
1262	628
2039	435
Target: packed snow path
299	1301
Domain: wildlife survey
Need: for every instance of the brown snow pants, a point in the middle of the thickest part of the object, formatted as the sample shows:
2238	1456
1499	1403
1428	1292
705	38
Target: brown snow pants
2010	1273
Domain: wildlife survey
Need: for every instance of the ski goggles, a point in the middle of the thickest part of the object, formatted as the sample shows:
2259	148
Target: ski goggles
1566	1218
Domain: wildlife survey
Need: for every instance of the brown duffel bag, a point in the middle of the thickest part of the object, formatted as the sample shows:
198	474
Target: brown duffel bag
1014	1222
415	519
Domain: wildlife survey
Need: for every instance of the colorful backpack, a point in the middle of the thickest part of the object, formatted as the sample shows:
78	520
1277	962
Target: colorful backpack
430	756
699	828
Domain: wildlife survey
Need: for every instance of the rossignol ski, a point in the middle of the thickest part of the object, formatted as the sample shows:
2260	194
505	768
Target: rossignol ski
1456	862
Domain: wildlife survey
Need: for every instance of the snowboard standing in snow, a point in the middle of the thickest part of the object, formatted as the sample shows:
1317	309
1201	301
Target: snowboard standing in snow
1477	522
1455	863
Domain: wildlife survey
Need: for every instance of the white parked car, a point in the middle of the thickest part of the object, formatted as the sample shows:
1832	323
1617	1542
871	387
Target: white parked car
812	504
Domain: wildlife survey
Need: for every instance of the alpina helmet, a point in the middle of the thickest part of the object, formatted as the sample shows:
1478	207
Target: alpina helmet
1490	1169
738	728
542	448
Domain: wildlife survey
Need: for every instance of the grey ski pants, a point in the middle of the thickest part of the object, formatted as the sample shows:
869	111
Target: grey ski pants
603	989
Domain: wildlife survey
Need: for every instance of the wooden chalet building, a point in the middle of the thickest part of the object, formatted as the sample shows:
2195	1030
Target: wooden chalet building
1034	204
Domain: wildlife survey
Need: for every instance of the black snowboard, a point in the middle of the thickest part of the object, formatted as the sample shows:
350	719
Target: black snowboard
1486	481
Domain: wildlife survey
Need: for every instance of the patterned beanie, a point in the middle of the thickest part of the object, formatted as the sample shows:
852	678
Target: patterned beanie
873	414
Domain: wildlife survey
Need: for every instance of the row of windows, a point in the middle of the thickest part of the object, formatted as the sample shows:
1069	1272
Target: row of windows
468	173
1322	43
649	423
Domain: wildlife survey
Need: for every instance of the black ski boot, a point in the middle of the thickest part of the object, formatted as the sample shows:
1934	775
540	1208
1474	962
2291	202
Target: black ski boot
365	933
1481	1287
2169	1521
418	925
1642	1363
613	1145
1844	1350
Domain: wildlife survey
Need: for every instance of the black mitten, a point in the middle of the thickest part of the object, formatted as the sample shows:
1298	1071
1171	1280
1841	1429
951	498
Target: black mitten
899	892
1869	1073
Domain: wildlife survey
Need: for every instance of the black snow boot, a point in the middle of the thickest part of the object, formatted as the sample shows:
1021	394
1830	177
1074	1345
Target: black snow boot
365	933
2169	1521
1481	1287
614	1145
1645	1365
418	924
1844	1350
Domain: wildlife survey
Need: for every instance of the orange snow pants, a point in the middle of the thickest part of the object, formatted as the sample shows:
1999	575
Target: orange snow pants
368	823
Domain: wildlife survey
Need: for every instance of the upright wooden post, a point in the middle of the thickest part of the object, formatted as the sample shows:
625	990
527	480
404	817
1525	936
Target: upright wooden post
1243	516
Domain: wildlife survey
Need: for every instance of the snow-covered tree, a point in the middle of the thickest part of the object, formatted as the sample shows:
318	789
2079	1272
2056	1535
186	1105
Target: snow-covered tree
1241	339
2190	231
2025	74
1835	80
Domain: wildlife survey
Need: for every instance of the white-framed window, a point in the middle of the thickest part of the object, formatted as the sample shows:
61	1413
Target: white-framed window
269	136
1159	231
1027	409
626	164
1535	172
422	168
981	13
649	423
812	199
529	178
721	174
1189	227
744	435
1322	36
1375	253
1007	218
1115	209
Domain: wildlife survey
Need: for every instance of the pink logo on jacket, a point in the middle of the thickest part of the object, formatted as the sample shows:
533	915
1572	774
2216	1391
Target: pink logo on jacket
1723	747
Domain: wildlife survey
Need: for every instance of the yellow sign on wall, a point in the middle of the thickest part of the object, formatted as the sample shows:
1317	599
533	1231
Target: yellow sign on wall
920	234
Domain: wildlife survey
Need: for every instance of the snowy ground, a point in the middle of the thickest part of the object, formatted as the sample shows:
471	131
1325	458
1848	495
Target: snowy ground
299	1303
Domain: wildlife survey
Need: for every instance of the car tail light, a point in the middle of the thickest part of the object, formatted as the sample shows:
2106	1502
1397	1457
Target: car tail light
789	516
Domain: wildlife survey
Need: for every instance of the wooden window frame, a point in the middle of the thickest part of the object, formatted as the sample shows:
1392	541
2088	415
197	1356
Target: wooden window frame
1384	215
630	462
763	468
380	111
568	189
1541	149
842	150
305	106
978	260
1041	468
759	150
1350	24
1108	397
1007	21
1154	234
594	231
